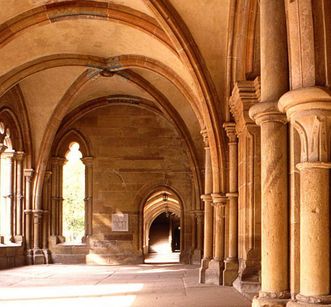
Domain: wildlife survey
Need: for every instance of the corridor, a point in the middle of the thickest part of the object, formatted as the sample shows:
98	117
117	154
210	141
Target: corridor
117	286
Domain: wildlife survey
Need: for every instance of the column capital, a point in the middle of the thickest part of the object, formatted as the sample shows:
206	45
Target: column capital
29	173
310	99
267	111
88	161
230	129
58	160
219	199
3	147
48	175
204	134
206	198
197	213
19	155
309	110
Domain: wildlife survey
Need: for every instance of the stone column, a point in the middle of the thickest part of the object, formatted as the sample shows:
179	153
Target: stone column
274	172
197	234
214	272
19	156
56	200
309	110
231	263
46	205
28	174
274	203
9	199
208	212
88	162
244	95
2	150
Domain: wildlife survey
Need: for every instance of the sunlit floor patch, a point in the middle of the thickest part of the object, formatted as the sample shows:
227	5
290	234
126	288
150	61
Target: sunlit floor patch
162	258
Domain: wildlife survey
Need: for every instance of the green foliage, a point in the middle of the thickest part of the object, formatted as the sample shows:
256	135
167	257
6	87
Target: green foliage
73	204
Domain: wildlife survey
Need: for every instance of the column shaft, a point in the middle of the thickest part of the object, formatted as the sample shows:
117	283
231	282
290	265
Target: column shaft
314	232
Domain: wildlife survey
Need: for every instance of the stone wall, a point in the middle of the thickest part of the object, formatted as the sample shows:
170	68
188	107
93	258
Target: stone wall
134	150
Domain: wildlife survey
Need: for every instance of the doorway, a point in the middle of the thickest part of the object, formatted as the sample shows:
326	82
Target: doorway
162	228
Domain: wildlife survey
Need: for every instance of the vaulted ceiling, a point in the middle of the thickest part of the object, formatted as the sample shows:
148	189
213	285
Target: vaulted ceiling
63	54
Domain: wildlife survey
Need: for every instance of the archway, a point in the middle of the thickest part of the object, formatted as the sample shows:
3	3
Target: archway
162	226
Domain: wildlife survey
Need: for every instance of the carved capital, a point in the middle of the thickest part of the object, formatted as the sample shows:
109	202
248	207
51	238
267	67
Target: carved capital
219	199
230	129
205	137
88	161
58	161
3	147
206	198
265	112
19	156
29	173
244	95
309	110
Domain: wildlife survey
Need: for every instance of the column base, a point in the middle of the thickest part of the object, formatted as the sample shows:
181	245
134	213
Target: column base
269	302
196	256
302	304
38	256
230	272
214	272
310	301
47	255
202	270
29	257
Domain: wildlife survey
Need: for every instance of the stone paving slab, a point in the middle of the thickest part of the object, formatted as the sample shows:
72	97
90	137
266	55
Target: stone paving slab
115	286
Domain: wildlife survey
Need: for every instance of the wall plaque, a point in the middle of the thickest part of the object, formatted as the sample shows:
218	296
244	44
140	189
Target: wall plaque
120	222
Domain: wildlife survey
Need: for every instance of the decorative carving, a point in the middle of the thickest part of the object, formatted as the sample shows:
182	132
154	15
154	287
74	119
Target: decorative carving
205	137
244	95
275	295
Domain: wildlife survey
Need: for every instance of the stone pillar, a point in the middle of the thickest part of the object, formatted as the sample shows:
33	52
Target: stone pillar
208	212
88	162
309	110
46	203
231	263
19	156
274	172
244	95
28	174
198	220
9	199
56	200
214	272
274	204
2	150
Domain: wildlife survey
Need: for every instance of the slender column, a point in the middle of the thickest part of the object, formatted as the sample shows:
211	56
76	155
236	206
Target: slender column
199	218
231	263
309	110
208	211
274	198
46	216
88	162
9	156
214	272
28	174
274	201
56	198
19	156
2	150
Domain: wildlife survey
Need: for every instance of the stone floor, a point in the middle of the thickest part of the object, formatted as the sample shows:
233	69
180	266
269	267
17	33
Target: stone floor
116	286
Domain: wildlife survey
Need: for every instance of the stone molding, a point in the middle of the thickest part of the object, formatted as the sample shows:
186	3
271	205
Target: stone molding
320	299
265	112
274	295
309	110
244	95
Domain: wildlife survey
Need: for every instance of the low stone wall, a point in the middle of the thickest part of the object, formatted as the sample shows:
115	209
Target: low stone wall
11	256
